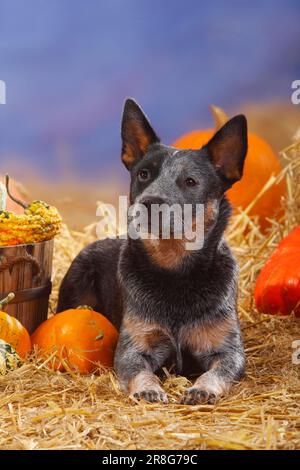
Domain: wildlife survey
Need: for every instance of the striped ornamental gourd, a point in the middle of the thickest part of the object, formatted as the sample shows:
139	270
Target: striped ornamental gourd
9	358
38	223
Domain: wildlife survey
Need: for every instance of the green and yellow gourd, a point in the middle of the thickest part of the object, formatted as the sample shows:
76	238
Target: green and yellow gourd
40	222
12	331
9	358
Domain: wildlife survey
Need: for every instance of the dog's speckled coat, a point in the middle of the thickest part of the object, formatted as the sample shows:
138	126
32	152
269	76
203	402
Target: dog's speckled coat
171	305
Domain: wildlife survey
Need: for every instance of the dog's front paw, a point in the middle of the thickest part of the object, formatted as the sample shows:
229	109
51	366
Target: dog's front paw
145	385
197	395
152	396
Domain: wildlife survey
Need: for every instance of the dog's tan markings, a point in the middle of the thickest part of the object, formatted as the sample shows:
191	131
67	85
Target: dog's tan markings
142	137
205	338
209	214
143	381
212	384
208	388
128	155
138	145
224	154
166	253
145	336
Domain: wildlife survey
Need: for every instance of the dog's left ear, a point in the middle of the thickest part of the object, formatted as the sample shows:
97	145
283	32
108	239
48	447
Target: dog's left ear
228	148
137	134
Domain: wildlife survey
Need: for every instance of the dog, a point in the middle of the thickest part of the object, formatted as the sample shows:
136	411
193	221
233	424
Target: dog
171	305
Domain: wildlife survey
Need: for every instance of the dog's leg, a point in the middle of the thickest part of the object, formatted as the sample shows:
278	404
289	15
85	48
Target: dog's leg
135	372
140	352
226	367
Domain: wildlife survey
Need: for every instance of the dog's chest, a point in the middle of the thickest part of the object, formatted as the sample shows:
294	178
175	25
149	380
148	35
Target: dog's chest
197	338
176	306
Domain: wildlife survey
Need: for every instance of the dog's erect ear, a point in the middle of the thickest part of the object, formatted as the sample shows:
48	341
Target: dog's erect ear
137	134
228	148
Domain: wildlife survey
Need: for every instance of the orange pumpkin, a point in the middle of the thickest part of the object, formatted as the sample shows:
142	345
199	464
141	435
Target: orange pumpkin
12	331
277	289
17	192
78	338
260	164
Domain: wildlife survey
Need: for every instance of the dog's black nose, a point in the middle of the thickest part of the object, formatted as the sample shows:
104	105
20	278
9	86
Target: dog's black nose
148	201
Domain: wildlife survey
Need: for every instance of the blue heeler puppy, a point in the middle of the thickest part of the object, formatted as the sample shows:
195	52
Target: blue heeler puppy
171	304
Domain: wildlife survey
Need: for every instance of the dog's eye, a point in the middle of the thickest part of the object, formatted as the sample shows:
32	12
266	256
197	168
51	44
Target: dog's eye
144	175
190	182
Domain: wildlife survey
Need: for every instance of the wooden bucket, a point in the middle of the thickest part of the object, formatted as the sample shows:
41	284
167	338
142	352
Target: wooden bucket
26	271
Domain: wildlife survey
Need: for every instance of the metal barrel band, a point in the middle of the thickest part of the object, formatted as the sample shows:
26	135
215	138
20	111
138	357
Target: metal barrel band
30	294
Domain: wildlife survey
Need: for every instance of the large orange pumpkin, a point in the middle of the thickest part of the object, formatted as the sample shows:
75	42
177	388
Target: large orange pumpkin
79	338
260	164
16	190
277	289
12	331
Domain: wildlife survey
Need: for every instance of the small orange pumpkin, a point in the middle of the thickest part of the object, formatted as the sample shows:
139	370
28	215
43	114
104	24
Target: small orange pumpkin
277	289
260	164
77	338
12	331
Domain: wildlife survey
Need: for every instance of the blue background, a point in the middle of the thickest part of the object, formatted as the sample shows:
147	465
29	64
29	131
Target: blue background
69	64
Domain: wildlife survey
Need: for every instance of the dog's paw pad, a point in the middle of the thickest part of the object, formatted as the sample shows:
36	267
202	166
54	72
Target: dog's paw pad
152	396
196	396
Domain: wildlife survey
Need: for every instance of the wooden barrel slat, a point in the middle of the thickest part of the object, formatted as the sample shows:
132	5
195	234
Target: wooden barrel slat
21	276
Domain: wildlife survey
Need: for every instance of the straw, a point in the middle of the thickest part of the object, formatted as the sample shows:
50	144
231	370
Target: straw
42	409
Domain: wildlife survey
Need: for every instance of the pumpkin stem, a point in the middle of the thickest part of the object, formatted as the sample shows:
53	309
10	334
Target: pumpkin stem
6	301
17	201
84	307
219	116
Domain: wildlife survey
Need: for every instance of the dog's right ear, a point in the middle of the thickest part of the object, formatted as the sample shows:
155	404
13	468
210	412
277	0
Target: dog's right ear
227	150
137	134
